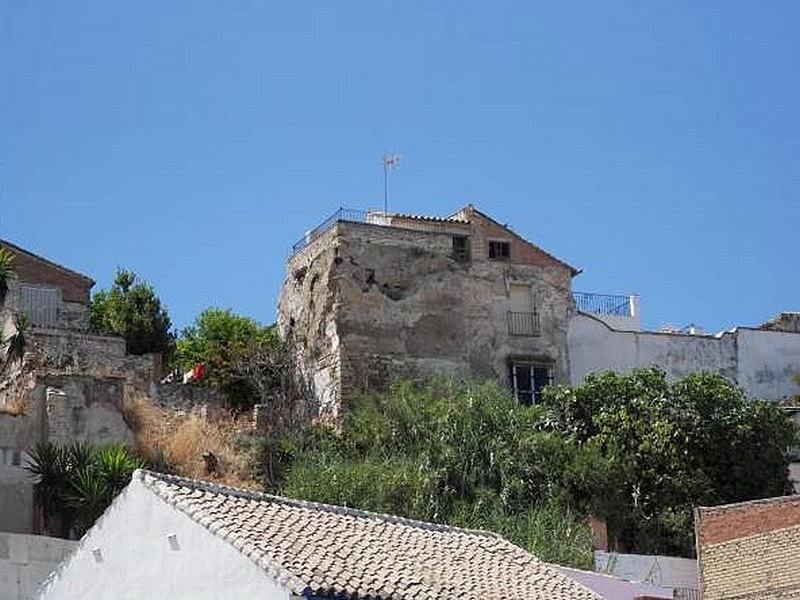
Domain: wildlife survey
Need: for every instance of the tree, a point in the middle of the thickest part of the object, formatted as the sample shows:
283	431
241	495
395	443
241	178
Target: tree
232	348
132	310
659	449
464	454
75	483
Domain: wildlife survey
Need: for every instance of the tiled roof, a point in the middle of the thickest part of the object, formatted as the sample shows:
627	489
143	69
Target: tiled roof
451	219
325	550
17	249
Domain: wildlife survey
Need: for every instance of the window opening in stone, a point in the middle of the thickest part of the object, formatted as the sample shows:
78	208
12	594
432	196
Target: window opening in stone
499	250
461	248
528	380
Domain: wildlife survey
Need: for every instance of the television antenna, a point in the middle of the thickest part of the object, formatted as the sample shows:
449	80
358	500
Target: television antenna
390	161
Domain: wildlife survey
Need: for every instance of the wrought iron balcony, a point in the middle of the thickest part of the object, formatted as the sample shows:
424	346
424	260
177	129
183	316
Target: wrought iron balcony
523	323
603	304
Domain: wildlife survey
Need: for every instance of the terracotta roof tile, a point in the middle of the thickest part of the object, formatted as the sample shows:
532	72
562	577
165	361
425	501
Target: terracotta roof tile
326	550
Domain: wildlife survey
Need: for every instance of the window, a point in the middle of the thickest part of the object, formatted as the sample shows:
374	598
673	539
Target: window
40	303
460	248
523	318
499	250
529	379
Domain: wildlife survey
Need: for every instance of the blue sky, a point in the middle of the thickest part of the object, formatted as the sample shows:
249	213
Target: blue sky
656	146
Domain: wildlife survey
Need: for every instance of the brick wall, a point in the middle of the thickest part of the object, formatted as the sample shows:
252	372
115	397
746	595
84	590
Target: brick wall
733	521
750	550
37	270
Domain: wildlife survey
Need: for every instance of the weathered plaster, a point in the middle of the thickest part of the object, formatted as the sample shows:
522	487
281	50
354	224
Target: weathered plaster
368	303
761	362
26	561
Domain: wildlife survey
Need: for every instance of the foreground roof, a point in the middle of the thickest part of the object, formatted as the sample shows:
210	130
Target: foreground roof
321	550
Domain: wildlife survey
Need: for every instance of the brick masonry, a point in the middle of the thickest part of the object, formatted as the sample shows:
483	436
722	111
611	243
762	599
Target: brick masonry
750	550
38	270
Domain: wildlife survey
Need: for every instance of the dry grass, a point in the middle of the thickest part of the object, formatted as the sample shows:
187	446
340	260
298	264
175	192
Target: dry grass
15	409
178	442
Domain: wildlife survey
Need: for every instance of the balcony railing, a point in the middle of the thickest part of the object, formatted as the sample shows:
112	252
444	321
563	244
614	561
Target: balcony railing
603	304
523	323
343	214
377	217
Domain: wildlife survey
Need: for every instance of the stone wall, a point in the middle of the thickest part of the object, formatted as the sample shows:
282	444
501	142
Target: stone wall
60	313
95	355
27	560
366	303
788	322
81	408
61	408
16	491
189	398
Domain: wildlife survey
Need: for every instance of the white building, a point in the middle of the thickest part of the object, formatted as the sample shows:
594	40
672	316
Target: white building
605	334
167	537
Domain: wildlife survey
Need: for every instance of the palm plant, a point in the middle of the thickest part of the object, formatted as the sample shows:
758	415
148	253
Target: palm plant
48	467
7	273
16	343
74	484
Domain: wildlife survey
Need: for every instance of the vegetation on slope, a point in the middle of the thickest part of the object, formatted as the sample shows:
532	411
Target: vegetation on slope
467	455
635	450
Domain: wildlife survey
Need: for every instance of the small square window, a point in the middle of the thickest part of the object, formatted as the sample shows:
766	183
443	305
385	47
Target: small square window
528	380
460	248
499	250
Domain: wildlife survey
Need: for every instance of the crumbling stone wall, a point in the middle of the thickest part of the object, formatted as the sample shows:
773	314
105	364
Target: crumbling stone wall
366	303
96	355
84	409
61	408
788	322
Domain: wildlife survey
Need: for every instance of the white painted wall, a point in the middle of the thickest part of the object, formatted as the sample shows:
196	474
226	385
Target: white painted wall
26	561
630	322
763	363
662	571
16	492
768	362
130	554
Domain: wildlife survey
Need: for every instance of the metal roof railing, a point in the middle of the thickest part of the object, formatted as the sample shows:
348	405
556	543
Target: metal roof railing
603	304
343	214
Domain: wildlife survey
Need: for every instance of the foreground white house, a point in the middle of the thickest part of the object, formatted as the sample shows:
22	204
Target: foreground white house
167	537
